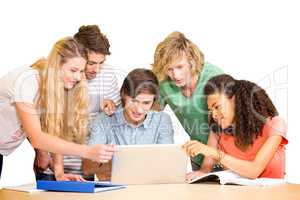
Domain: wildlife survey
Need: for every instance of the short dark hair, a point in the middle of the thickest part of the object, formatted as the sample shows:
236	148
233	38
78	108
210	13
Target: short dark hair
139	81
92	39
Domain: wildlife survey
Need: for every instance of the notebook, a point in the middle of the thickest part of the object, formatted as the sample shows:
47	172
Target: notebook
230	177
76	186
149	164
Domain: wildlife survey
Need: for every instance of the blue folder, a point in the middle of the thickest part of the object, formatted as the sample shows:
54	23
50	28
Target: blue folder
76	186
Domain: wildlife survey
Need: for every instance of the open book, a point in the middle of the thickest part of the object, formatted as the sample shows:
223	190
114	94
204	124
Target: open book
230	177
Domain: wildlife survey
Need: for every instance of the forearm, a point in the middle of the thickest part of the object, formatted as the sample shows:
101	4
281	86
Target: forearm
208	161
252	169
54	144
249	169
31	125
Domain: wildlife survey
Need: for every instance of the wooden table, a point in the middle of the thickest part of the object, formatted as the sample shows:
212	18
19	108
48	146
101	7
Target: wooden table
170	192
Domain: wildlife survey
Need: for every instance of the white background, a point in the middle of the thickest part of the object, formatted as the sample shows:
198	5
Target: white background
254	40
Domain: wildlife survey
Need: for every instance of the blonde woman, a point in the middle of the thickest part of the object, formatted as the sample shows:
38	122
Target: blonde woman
104	96
180	67
47	103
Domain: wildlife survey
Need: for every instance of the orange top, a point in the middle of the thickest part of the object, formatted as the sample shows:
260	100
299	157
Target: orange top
276	167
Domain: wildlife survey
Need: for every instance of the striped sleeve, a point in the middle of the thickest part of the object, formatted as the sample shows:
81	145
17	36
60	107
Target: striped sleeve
113	92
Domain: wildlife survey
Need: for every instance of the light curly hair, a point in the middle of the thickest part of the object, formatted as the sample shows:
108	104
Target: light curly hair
171	49
63	112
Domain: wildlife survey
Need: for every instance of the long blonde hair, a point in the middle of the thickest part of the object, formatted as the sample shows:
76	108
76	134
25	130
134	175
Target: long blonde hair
63	112
172	48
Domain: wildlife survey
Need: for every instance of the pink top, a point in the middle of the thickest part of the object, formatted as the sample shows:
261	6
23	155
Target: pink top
276	167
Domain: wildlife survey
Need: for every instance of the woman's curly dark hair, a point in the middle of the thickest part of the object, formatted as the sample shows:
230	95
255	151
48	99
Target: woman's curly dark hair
252	107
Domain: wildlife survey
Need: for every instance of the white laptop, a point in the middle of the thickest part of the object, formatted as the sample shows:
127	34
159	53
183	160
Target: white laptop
149	164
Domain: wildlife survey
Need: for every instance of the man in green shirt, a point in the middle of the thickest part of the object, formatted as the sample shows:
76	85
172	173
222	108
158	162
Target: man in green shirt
182	73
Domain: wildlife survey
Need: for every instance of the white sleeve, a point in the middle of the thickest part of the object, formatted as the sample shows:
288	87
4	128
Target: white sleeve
25	87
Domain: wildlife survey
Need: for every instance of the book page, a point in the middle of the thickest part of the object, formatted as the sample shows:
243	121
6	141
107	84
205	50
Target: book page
230	177
251	182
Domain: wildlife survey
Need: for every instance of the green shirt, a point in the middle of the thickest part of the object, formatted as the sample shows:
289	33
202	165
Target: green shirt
191	111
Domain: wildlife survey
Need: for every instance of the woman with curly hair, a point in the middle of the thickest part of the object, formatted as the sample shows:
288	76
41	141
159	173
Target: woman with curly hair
247	135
